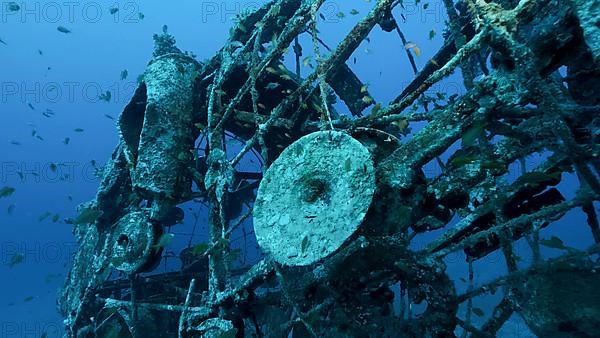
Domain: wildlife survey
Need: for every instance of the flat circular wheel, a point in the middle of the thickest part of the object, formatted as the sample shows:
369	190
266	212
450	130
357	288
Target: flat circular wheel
314	197
133	249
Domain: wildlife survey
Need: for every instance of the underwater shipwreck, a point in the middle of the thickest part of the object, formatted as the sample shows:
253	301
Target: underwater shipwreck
340	197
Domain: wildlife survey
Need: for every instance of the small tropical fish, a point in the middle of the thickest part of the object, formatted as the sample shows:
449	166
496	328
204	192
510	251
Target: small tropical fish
376	108
353	12
109	117
401	124
30	106
124	74
141	16
50	277
78	130
40	52
493	165
2	42
462	160
554	243
236	44
469	137
164	240
16	259
106	96
367	99
63	29
15	143
307	62
341	15
272	85
414	47
44	216
67	140
478	312
537	177
87	216
11	209
6	191
13	6
233	255
113	10
431	34
28	299
165	29
199	249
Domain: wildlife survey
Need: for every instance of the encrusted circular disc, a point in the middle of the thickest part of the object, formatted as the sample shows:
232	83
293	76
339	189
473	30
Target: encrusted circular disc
132	247
313	197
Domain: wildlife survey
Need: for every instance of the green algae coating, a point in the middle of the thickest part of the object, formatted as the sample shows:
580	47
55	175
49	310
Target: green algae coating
132	242
165	140
313	197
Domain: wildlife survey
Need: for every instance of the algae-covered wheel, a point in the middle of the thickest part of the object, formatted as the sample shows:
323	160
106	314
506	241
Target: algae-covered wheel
313	197
133	245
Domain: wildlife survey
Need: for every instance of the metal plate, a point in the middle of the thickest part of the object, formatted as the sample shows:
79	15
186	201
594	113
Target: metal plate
313	197
132	247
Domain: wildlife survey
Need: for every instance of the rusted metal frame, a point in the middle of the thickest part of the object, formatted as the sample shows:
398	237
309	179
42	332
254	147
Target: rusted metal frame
260	272
550	213
285	38
338	56
469	48
517	276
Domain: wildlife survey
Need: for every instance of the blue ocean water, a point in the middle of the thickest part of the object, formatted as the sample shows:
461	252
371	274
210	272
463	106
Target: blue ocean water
55	130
